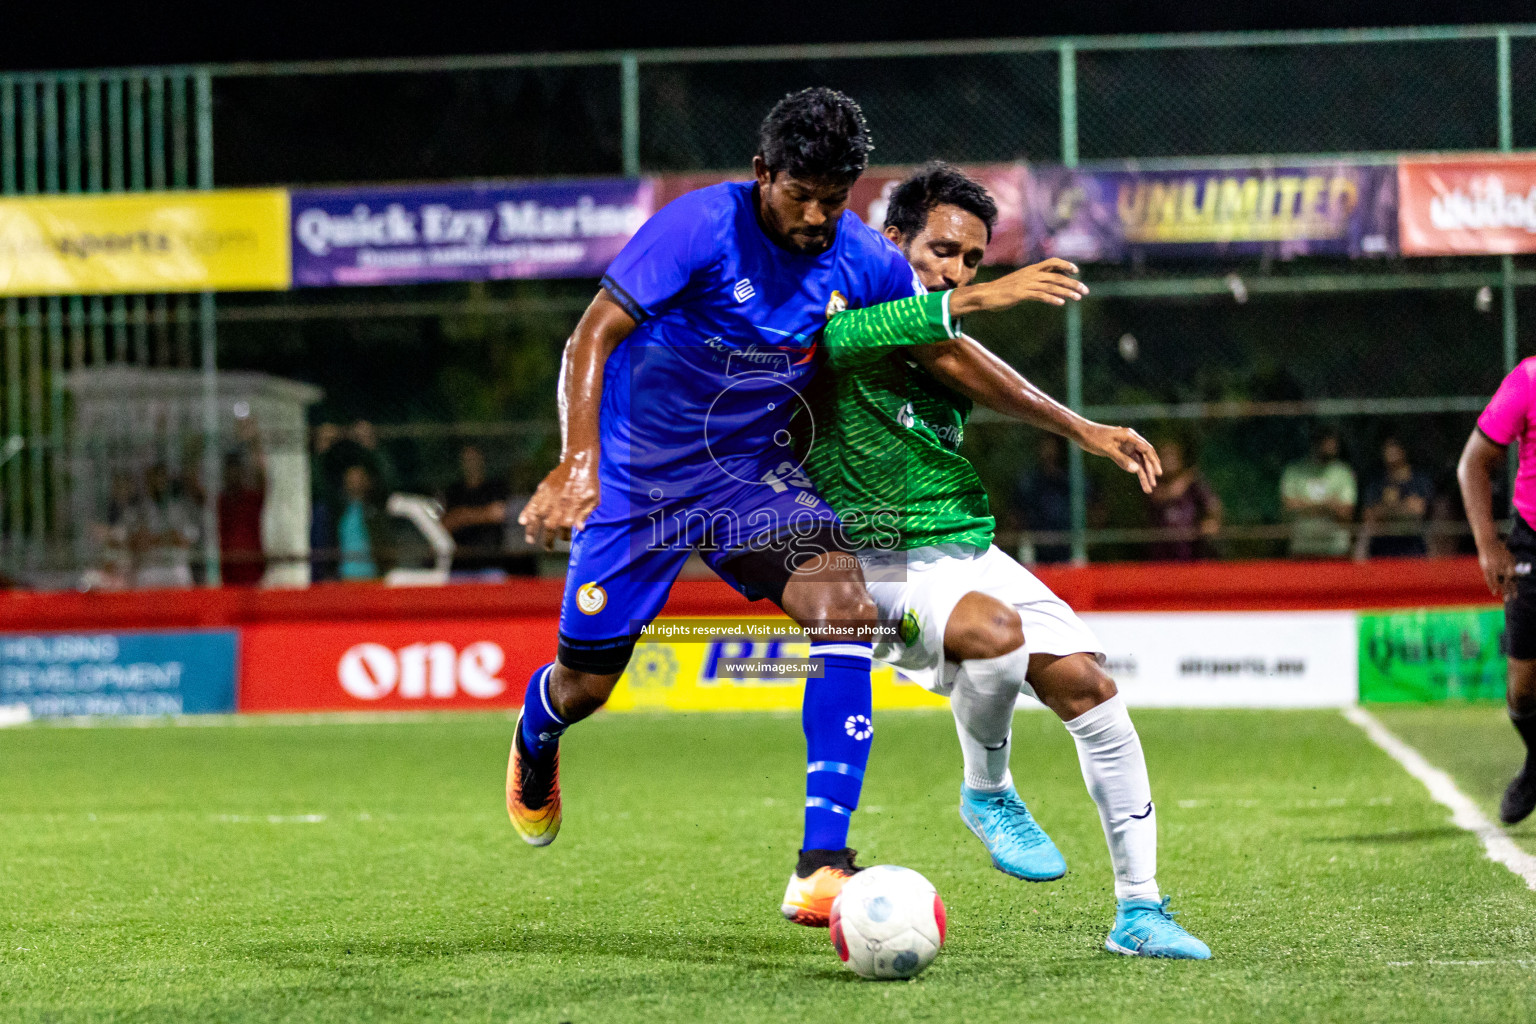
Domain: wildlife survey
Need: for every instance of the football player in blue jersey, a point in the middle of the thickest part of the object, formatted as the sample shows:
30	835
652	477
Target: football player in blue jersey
676	396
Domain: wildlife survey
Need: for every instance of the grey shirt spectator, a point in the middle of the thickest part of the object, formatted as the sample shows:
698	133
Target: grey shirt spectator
1319	496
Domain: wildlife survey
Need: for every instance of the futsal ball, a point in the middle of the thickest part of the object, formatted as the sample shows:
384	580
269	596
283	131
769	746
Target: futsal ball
888	922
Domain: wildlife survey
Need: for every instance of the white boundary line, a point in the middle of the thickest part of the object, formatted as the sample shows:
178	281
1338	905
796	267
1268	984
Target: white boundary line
1465	814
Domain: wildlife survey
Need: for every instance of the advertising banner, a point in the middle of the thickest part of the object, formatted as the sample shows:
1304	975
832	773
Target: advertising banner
696	676
1231	659
485	663
1432	654
1471	206
404	665
1111	216
150	673
477	232
871	194
230	240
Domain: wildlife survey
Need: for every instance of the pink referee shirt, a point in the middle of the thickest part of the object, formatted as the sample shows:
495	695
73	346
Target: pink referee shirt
1510	417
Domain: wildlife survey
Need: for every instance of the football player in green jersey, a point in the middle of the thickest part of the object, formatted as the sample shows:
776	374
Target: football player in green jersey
974	624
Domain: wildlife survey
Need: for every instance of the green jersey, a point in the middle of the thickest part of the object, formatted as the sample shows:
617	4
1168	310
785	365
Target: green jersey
885	451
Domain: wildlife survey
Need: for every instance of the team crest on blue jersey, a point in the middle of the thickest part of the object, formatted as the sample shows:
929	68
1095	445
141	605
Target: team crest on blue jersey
836	304
591	598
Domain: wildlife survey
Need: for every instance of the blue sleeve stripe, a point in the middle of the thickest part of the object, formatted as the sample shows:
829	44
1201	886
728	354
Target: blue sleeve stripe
624	299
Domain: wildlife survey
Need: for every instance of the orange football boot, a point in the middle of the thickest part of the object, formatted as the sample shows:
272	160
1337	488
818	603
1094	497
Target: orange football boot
533	793
809	898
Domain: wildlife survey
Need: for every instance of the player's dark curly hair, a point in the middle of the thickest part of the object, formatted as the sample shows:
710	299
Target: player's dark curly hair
938	183
815	134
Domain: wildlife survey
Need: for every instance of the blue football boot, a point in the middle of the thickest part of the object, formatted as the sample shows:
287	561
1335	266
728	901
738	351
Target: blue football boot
1147	928
1019	847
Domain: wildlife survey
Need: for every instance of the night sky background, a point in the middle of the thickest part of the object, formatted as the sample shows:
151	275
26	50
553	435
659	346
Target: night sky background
36	34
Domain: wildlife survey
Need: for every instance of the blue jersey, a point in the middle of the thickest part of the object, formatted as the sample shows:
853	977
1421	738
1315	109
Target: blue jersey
699	397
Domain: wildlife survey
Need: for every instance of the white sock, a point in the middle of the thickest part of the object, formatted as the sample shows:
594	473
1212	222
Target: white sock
1115	771
983	699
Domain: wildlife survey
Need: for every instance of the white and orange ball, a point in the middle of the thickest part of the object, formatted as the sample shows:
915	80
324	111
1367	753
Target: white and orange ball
887	923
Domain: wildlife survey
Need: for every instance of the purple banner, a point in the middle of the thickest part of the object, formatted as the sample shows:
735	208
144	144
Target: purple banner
484	231
1113	216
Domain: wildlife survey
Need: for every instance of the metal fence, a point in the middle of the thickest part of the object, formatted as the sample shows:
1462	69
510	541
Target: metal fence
1234	356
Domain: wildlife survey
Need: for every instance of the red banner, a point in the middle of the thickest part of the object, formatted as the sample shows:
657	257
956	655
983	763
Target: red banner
420	665
1467	207
1006	182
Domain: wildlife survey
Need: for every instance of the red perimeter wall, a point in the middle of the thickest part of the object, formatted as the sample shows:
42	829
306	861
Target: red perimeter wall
368	647
1197	586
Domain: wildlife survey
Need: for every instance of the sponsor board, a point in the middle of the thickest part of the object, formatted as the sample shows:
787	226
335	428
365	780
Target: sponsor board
704	675
1432	654
466	664
484	231
1326	209
228	240
1218	659
140	673
1469	206
395	666
1231	659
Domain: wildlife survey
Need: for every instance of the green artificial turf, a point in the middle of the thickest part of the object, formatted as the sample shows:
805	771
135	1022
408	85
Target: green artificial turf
314	870
1474	743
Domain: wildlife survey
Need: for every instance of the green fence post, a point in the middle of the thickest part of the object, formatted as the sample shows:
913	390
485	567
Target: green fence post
1076	476
1506	144
180	179
208	328
95	176
629	98
53	313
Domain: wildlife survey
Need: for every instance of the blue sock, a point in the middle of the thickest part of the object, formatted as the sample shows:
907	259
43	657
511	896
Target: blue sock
838	724
541	726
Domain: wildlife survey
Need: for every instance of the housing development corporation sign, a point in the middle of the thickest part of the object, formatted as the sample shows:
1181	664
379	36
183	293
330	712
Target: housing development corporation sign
477	232
149	673
1471	206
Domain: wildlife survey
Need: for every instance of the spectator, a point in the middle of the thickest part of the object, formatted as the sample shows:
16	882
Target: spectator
161	527
336	450
1392	524
1183	501
113	568
475	512
360	529
324	500
1319	495
1042	499
245	492
357	445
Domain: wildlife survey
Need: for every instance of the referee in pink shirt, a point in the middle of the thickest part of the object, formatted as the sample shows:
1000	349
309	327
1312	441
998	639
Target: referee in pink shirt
1510	419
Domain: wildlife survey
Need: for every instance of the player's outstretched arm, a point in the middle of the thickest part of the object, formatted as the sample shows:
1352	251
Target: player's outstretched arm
969	368
1046	281
1474	472
922	319
569	493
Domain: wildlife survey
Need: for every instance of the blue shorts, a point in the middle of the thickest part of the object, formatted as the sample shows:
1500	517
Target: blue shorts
626	557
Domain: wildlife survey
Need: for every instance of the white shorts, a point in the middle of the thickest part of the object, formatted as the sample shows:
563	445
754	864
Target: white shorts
920	588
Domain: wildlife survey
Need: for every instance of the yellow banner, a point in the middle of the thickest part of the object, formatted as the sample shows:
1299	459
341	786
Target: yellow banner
686	677
230	240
